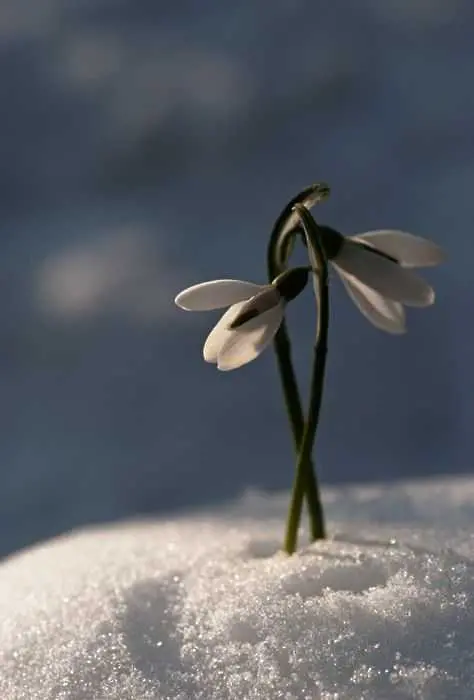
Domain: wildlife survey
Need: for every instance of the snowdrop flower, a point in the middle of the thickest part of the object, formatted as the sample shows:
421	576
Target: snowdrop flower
374	268
250	324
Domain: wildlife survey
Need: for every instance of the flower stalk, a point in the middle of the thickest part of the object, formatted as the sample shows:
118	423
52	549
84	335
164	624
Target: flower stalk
279	249
319	263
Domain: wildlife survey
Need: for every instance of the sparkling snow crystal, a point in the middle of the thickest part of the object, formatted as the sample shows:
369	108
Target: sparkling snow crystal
207	608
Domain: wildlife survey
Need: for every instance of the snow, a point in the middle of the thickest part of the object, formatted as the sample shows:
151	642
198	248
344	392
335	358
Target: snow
205	606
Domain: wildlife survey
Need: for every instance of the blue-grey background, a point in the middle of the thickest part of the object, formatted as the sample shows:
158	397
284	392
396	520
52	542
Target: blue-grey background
146	146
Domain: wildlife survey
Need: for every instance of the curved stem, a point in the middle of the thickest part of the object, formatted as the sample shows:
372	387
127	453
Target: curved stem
279	249
318	261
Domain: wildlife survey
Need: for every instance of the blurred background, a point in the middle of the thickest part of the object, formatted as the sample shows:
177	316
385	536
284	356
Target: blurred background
147	146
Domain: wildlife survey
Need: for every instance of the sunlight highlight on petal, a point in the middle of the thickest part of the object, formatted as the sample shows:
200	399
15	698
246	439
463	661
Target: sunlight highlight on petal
246	343
216	294
386	277
409	250
221	333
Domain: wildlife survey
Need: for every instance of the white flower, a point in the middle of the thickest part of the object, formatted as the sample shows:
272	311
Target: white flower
374	269
249	325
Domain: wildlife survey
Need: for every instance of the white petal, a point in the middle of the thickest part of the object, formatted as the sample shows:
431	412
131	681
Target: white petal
215	294
409	250
220	333
383	313
386	277
247	342
267	298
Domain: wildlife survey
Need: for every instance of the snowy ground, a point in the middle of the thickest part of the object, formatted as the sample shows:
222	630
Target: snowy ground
206	607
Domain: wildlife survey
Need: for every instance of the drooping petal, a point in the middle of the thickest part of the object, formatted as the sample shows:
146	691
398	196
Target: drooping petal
385	314
248	341
409	250
215	294
384	276
220	333
267	298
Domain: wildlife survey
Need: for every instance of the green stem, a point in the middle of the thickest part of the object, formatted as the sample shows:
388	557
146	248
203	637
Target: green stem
318	261
277	258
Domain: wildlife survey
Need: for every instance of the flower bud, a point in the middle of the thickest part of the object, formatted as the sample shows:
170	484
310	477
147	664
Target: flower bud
332	241
291	282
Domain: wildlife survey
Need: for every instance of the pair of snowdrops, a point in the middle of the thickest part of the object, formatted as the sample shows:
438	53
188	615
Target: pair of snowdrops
375	268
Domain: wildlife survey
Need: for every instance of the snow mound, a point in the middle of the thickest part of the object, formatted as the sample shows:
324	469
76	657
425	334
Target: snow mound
208	608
